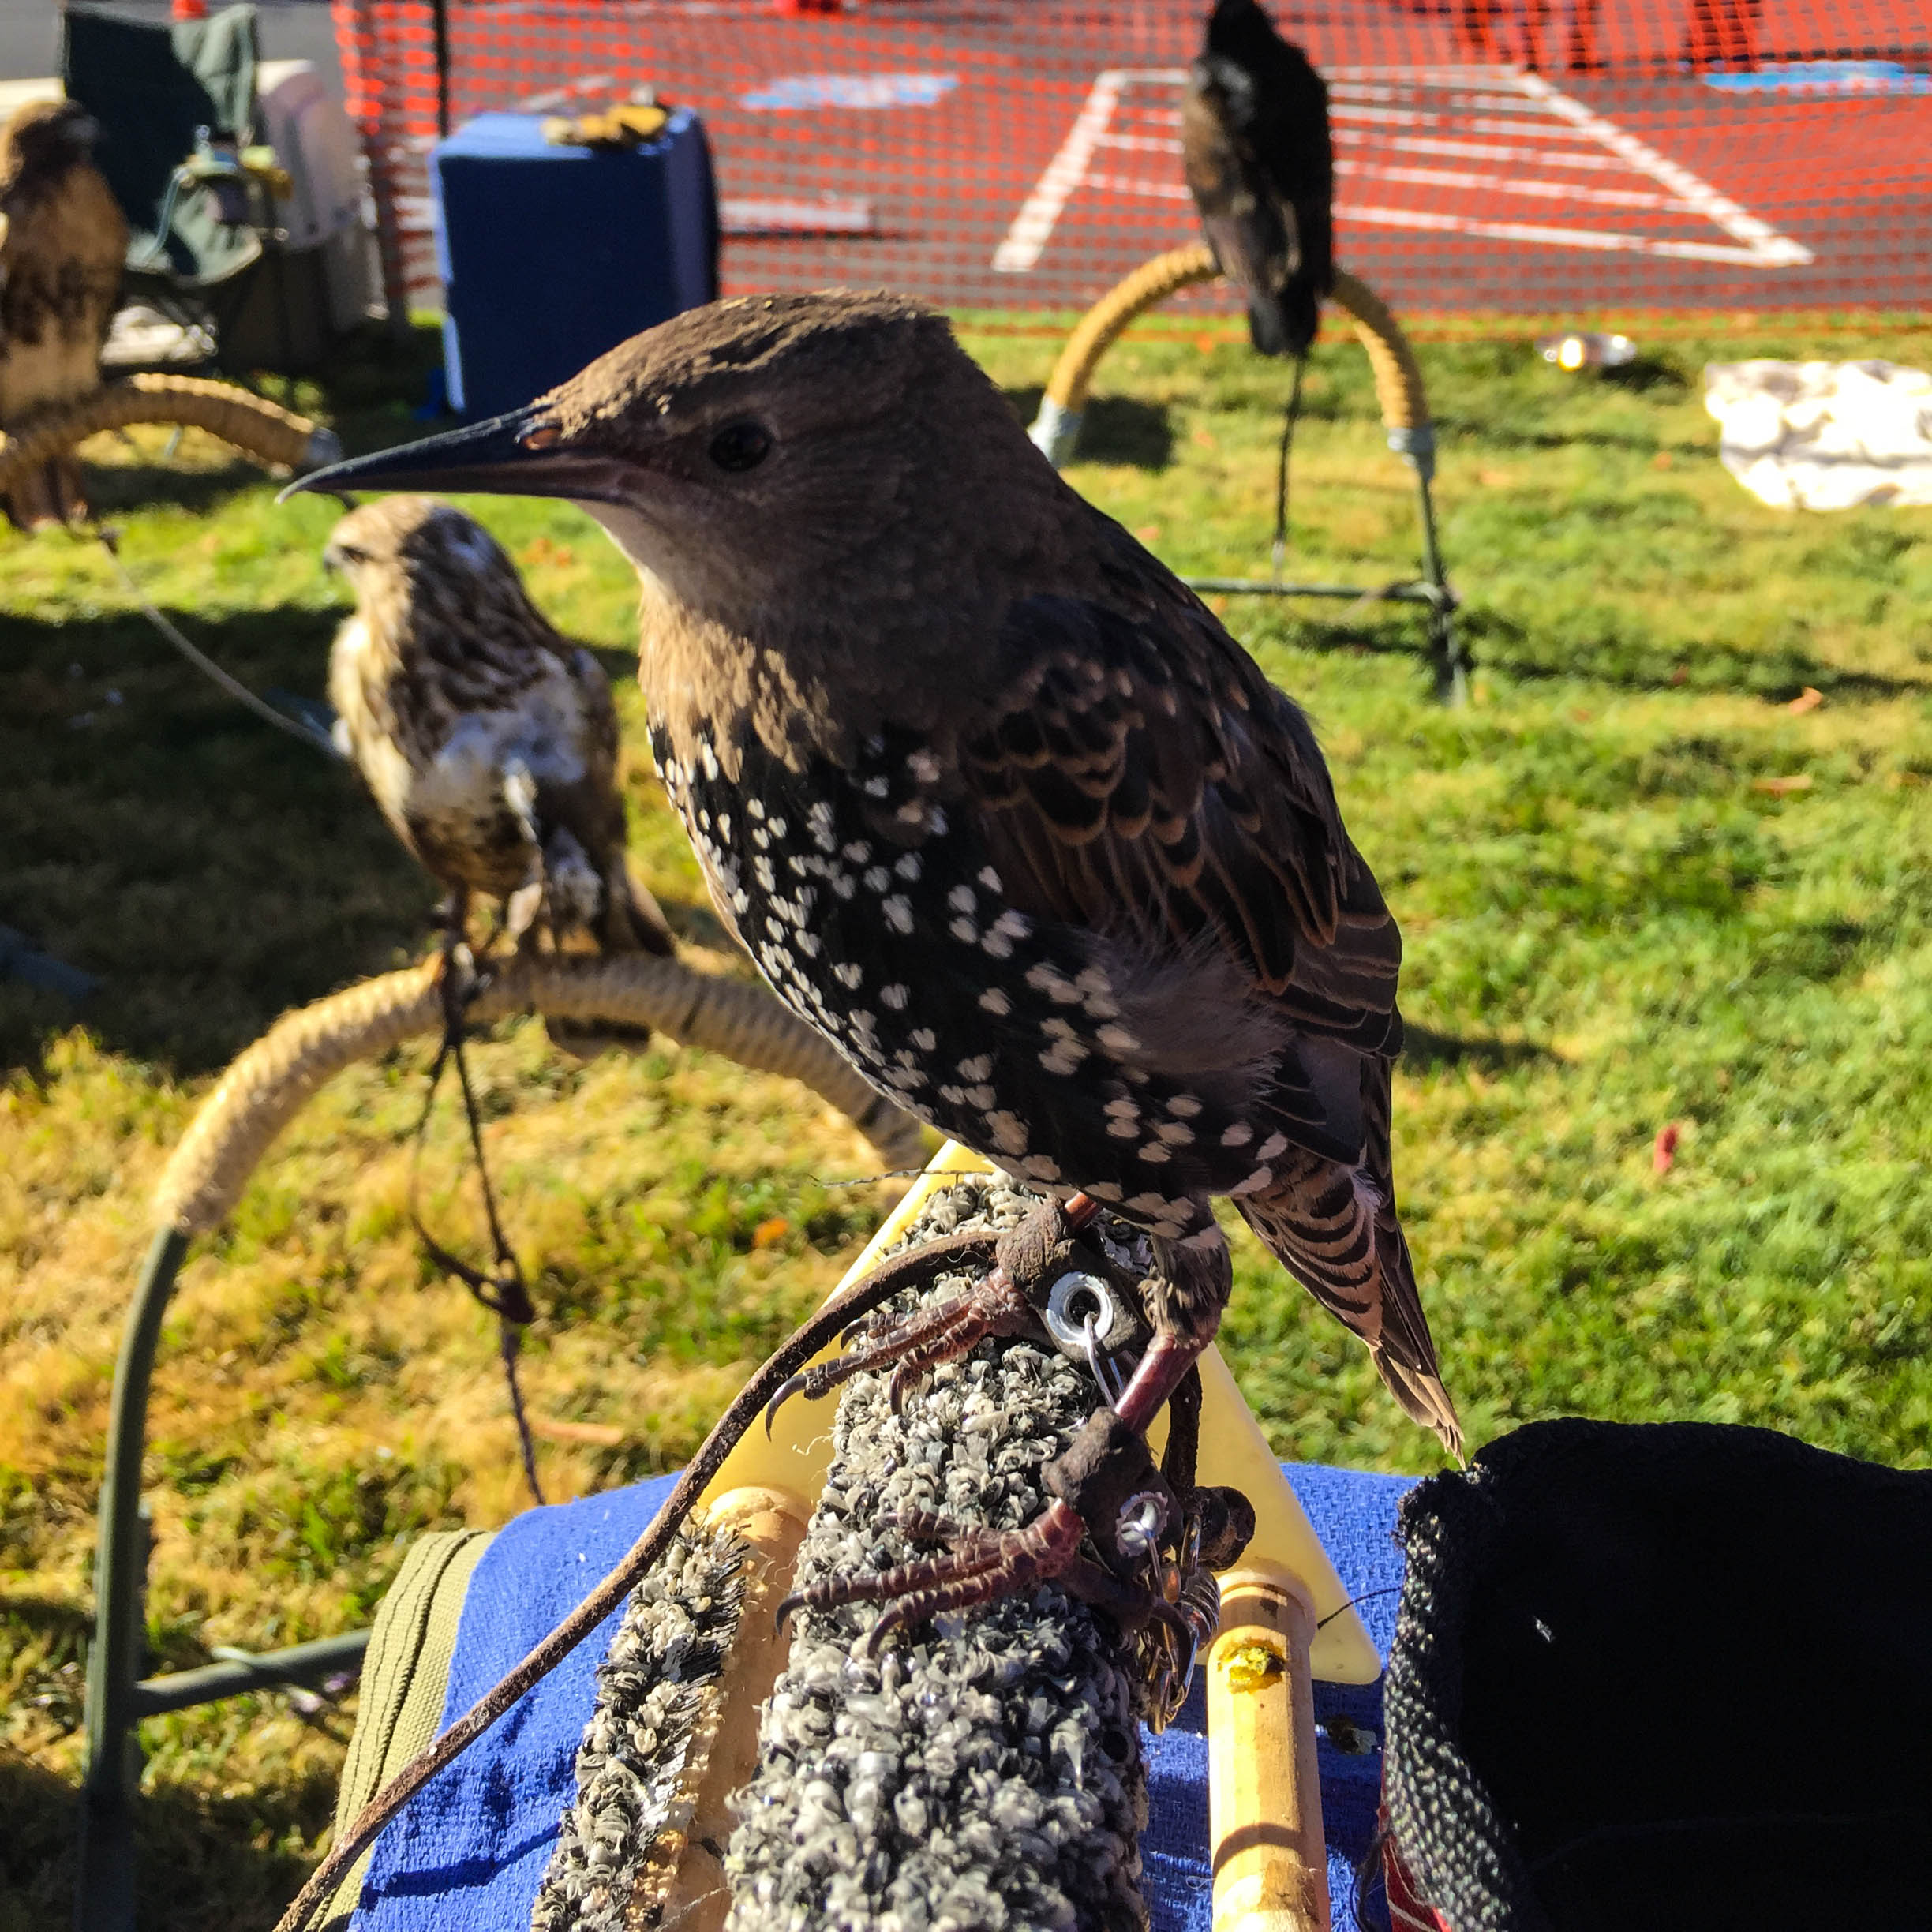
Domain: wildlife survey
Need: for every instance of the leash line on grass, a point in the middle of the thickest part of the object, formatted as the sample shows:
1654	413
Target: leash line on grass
109	541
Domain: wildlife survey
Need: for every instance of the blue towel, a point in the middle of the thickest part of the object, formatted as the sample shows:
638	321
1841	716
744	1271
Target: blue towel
471	1849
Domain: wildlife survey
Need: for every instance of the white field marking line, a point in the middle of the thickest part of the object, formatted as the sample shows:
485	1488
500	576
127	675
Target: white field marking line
1124	183
1590	158
1768	249
1547	238
1152	143
1505	184
1033	226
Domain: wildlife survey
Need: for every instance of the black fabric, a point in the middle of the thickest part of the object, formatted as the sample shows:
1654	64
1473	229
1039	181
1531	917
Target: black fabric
151	85
1666	1675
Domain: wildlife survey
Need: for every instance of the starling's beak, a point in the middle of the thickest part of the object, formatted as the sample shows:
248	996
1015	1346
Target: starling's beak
519	454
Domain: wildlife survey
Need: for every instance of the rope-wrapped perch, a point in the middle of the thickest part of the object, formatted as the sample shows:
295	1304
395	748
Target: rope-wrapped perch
269	1083
1398	376
260	429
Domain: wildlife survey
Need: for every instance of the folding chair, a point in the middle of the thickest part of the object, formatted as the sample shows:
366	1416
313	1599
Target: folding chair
176	104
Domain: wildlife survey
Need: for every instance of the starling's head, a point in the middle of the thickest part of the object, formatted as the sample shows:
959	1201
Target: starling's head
737	449
46	137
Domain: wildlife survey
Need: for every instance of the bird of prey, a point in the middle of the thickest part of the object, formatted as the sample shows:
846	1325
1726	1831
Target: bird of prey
998	806
63	240
489	742
1255	147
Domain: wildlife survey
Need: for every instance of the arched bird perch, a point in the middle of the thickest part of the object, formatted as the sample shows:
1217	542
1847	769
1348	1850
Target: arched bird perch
272	434
263	1089
1399	391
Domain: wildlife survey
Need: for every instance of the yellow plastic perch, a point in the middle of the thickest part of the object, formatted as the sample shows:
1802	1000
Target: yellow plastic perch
794	1461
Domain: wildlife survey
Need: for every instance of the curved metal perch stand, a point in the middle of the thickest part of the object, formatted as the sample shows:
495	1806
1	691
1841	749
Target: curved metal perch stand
1405	416
260	1093
251	423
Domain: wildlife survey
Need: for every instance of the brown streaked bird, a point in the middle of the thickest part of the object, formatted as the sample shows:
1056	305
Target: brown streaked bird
998	806
488	741
63	242
1260	161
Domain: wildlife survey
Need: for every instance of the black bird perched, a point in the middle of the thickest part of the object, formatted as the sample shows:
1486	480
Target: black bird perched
1259	160
1000	808
1256	148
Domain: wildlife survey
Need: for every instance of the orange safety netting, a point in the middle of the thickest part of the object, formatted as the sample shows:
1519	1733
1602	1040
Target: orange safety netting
1493	154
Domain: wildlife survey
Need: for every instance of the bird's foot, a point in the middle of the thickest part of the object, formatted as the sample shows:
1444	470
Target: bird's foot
1041	1272
913	1345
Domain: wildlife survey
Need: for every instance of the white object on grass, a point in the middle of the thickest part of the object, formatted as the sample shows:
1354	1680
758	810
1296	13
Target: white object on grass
1824	435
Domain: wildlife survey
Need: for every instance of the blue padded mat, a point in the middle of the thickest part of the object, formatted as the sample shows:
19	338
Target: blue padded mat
472	1848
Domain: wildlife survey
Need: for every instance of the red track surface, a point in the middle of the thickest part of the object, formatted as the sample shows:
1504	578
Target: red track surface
1483	188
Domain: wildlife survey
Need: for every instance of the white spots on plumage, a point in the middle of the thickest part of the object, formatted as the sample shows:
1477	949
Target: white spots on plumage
760	838
1204	1240
842	882
724	825
877	879
923	766
1255	1182
978	1068
898	913
996	945
809	945
708	759
1120	1129
909	867
1040	1167
963	931
961	899
1275	1144
895	996
1008	1131
1097	993
994	1001
857	852
936	821
820	821
704	819
1239	1135
1104	1190
906	1079
875	787
1117	1040
1048	978
1153	1154
778	827
754	807
762	871
980	1097
1173	1134
1147	1203
924	1039
1185	1106
875	745
849	976
912	813
1125	1106
741	901
989	879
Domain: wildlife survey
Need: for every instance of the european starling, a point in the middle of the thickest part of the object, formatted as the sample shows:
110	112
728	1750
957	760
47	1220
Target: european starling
489	742
1255	147
998	806
63	242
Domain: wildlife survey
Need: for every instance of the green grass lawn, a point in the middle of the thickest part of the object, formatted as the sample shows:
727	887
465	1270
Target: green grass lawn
1637	888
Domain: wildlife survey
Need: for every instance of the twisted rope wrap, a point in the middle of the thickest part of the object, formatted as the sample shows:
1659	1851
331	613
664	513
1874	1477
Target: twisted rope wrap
251	423
1398	377
269	1083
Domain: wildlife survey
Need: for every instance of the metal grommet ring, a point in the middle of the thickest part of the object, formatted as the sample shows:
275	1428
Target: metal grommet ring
1076	1299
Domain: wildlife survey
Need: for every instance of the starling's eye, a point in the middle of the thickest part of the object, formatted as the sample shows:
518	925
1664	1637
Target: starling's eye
741	446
